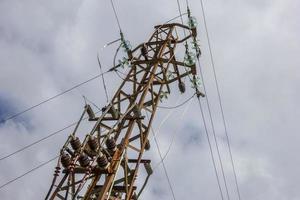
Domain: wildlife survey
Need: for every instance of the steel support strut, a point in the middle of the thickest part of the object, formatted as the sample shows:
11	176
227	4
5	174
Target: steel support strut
106	164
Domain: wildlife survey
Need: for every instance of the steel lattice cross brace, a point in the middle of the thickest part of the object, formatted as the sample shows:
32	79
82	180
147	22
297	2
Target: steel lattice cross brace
106	164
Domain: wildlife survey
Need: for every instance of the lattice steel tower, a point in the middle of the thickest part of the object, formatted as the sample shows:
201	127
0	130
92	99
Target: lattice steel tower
106	163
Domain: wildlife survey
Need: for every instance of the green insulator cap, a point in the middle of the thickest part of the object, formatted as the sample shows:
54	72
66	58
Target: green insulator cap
192	22
126	45
196	82
124	62
189	59
163	95
195	43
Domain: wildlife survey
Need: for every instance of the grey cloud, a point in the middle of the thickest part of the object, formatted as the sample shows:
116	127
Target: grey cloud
48	46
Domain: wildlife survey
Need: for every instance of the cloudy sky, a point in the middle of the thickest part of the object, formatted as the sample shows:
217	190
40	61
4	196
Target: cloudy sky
49	46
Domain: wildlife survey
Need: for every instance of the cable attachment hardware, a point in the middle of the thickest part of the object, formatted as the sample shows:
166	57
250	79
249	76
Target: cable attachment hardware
196	82
170	75
196	47
113	111
111	145
75	143
102	161
144	51
93	143
84	160
147	145
181	87
65	160
125	44
148	168
90	112
124	62
189	57
192	21
57	171
163	95
136	111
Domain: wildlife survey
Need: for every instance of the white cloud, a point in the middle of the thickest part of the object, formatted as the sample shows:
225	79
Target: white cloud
46	47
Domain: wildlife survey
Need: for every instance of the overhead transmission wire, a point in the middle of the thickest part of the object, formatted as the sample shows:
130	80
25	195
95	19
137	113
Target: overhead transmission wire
116	15
161	158
28	172
178	105
56	132
170	112
187	3
61	93
91	102
100	67
220	100
51	98
173	136
205	126
179	10
172	141
210	149
41	139
102	75
36	142
47	100
214	133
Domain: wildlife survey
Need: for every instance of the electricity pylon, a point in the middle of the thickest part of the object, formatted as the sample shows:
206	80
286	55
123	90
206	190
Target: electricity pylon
106	164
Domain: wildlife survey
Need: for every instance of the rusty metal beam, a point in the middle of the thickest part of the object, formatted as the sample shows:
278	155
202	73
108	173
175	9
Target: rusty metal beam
122	122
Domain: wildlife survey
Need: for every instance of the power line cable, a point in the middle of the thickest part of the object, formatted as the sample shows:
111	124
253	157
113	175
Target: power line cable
213	159
102	75
28	172
116	16
112	42
160	125
59	94
214	132
51	98
36	142
181	18
214	135
179	10
91	102
100	66
161	158
187	3
173	137
168	115
210	148
177	106
40	140
220	100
